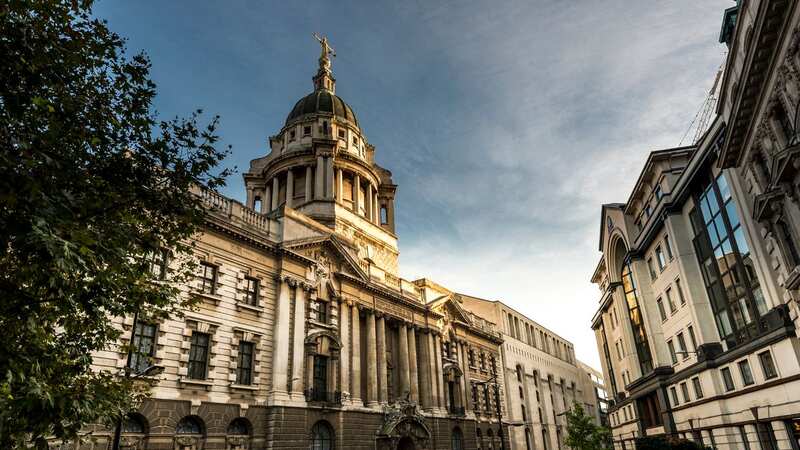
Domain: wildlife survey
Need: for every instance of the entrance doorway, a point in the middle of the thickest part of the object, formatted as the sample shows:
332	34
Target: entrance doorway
405	444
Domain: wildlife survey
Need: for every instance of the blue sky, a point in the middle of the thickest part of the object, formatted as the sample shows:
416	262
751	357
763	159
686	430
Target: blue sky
506	124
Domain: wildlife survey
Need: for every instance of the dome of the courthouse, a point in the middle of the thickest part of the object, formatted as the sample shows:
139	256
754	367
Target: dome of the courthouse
324	102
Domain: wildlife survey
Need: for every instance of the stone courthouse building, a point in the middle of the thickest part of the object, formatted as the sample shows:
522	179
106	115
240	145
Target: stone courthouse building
699	279
305	336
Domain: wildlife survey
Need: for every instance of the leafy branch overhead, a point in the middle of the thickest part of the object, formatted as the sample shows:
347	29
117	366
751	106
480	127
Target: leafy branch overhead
91	185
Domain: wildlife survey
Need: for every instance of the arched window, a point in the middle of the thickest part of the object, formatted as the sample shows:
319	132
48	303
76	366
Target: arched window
239	427
457	439
321	436
479	438
189	425
490	437
257	204
134	424
528	443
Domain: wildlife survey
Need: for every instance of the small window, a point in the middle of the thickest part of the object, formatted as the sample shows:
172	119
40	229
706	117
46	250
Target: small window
747	374
307	130
471	357
133	424
662	263
672	352
341	134
158	264
671	302
685	392
322	311
198	356
651	269
682	345
661	311
692	339
244	370
727	379
680	291
355	140
252	287
619	350
668	247
658	192
767	365
257	204
238	427
292	135
208	278
698	388
384	216
144	346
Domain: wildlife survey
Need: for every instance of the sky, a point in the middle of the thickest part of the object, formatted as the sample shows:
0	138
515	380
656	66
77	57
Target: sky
506	124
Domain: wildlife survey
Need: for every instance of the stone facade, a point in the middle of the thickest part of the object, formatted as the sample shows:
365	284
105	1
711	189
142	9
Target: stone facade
698	318
542	377
304	335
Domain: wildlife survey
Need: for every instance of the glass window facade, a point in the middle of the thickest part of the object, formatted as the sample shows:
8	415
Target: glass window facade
726	263
637	321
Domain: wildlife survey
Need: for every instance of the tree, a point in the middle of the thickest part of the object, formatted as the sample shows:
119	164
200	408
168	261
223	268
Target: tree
583	433
92	185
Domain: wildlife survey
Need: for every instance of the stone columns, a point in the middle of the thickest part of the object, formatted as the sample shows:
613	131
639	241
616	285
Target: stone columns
266	203
298	348
289	188
355	369
275	192
383	393
308	183
319	177
412	363
356	194
372	361
280	360
437	346
344	353
377	206
368	198
339	187
329	177
465	381
402	357
425	371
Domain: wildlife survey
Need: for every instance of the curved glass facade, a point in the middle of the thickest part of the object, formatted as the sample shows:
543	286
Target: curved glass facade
637	322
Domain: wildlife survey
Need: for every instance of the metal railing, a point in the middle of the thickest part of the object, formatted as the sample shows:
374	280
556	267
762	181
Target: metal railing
321	396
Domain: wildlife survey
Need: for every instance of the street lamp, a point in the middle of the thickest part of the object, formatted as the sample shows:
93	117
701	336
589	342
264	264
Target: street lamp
493	381
130	373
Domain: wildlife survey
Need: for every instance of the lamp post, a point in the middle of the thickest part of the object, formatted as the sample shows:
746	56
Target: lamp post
129	373
493	381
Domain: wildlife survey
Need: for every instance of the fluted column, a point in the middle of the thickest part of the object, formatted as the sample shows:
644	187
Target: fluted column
266	203
355	370
425	371
339	187
298	348
319	177
280	361
275	192
289	188
412	364
465	380
344	352
308	183
437	346
383	388
329	177
356	193
402	357
372	361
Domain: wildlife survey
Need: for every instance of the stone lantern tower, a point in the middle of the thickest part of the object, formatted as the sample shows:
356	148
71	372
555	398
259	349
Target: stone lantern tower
321	165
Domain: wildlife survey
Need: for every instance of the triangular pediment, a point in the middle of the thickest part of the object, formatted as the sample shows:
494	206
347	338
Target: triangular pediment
330	253
448	305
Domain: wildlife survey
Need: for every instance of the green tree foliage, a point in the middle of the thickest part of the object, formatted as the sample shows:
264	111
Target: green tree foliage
583	433
91	183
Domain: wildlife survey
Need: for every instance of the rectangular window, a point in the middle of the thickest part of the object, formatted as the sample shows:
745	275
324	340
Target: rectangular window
208	278
662	262
674	394
727	379
657	192
661	311
745	439
685	392
307	131
292	135
767	365
486	403
668	247
672	354
198	356
692	339
251	290
682	345
341	134
651	269
244	371
471	357
322	311
158	264
671	302
698	388
143	346
619	350
678	288
744	370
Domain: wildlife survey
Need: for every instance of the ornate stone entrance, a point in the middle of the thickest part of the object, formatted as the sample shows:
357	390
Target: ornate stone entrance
403	428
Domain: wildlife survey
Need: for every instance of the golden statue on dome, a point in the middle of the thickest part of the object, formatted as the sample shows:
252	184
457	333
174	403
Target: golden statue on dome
326	48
